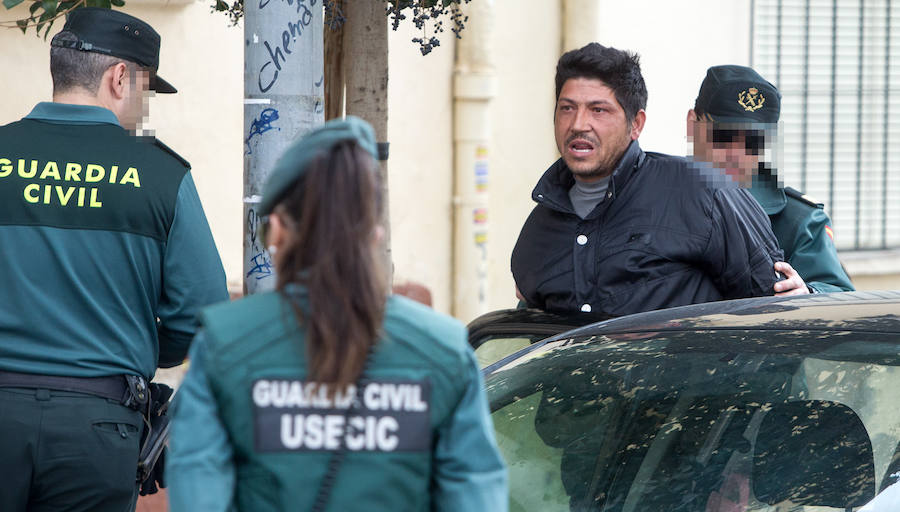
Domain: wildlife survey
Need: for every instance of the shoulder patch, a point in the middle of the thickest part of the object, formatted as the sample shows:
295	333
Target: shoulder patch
158	143
800	196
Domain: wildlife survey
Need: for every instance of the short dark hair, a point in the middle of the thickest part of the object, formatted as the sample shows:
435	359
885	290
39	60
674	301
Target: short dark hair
620	70
71	68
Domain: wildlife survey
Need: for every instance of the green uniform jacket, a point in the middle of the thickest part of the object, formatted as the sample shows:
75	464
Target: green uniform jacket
801	227
246	437
108	256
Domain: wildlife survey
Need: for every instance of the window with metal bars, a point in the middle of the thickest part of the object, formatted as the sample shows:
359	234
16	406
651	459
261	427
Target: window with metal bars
837	65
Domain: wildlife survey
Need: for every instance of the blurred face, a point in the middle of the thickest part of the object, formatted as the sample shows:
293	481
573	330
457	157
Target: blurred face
136	104
591	131
736	149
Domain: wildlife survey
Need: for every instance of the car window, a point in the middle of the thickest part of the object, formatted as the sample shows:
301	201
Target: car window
663	424
495	347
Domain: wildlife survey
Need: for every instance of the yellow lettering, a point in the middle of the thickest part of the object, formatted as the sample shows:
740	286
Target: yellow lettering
72	172
94	173
32	198
50	169
113	171
94	202
6	167
80	196
64	198
27	174
47	190
131	176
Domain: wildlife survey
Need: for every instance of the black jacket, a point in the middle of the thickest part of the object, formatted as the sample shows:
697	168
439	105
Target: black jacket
667	234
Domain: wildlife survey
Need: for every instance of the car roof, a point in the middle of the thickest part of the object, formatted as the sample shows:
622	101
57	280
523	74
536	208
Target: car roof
877	311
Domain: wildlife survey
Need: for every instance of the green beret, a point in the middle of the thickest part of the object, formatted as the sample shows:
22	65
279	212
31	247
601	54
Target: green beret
293	163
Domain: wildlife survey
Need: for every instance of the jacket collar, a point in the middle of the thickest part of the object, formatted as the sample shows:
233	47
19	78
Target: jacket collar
552	190
64	113
768	195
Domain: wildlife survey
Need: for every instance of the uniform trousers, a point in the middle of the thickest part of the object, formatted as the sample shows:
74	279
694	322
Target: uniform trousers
66	451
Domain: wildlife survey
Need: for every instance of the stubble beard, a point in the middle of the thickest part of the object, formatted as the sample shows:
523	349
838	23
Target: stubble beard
609	162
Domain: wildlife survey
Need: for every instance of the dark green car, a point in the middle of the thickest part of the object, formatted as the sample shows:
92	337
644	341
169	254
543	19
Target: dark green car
772	404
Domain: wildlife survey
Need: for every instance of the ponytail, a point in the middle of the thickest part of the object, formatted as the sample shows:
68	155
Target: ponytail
330	249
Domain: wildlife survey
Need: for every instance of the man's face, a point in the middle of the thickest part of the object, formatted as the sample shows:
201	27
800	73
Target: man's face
735	148
592	133
137	107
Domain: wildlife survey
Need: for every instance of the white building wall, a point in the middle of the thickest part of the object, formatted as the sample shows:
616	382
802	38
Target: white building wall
677	42
420	167
527	42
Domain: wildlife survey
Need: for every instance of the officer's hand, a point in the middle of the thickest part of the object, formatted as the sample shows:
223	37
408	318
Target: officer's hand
157	476
792	284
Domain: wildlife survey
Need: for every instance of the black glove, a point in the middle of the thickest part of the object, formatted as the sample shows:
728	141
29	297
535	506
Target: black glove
149	486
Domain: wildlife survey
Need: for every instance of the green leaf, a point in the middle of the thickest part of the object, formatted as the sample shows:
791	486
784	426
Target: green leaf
118	3
47	30
34	6
49	7
23	25
9	4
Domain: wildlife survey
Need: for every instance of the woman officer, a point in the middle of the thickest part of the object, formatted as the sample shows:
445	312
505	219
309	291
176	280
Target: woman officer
328	394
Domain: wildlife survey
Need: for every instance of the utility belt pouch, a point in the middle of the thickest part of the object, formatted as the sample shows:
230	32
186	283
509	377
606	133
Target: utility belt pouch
137	393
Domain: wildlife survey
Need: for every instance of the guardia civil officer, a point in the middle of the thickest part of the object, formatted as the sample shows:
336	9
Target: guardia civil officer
327	394
732	124
107	258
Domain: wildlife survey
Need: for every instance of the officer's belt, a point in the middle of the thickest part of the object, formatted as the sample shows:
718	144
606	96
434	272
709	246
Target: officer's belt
113	387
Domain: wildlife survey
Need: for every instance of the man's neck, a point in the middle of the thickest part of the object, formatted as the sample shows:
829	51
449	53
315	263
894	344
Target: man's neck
77	97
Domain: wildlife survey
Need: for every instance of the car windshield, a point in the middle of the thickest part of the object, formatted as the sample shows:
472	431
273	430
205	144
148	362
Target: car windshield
708	421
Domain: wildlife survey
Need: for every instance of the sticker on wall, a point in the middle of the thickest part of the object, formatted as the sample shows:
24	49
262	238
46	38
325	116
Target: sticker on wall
479	215
481	169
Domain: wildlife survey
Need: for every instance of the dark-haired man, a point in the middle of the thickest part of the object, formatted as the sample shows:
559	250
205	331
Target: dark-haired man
108	258
732	127
620	231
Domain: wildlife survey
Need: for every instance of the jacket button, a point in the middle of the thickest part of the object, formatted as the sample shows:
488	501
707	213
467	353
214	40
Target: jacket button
608	194
586	308
581	239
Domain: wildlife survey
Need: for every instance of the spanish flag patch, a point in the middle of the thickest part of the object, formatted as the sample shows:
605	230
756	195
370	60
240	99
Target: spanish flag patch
830	232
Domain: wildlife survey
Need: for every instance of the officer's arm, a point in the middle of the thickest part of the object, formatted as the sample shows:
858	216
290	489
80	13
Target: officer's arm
742	250
199	466
193	276
815	256
469	473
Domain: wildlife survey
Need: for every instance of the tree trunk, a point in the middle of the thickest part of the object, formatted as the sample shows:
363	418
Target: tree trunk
365	70
334	62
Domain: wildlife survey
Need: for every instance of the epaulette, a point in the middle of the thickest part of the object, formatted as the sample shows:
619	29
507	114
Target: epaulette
158	143
800	196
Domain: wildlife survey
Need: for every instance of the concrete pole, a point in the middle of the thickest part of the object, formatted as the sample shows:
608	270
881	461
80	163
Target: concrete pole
474	85
581	19
282	101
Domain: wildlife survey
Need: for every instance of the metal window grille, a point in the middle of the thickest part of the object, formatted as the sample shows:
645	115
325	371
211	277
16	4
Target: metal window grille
837	65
